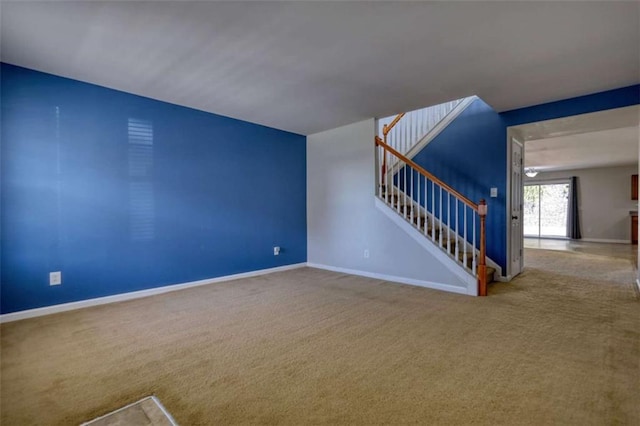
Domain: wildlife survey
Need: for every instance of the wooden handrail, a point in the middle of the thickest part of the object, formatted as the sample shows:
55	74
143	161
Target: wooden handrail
387	127
426	174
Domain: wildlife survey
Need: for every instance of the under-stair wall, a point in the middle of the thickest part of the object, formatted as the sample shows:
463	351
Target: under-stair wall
343	221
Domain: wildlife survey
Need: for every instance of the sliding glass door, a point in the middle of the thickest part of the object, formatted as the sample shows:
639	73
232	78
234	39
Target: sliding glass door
545	209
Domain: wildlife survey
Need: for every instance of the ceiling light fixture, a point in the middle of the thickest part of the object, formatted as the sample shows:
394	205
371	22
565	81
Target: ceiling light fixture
531	172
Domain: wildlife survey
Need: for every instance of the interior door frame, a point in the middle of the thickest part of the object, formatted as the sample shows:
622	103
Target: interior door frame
511	134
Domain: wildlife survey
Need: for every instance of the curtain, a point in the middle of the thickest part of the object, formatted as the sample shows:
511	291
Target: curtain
573	217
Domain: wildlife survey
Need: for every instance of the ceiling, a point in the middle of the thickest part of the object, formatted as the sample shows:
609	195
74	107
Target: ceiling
311	66
601	139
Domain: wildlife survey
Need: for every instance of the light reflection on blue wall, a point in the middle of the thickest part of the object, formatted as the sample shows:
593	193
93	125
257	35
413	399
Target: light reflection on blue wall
141	201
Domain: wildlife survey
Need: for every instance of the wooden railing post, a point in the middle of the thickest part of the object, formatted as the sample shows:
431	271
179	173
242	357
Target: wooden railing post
384	158
482	262
385	131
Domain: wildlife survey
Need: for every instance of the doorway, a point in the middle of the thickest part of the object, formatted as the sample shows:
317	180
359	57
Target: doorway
577	186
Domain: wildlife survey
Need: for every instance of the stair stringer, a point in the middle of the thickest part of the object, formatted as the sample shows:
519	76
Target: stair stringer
470	282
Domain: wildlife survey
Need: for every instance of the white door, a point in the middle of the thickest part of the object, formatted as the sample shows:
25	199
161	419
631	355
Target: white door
517	152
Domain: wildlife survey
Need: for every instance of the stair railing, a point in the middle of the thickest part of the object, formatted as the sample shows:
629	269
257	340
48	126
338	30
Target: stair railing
437	210
404	135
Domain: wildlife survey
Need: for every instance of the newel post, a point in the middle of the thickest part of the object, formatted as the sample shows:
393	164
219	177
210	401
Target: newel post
482	262
384	155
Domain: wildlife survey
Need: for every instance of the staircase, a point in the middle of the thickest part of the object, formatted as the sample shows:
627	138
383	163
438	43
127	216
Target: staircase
450	222
424	223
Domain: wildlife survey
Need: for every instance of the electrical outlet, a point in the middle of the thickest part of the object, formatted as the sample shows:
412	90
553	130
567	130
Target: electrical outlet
366	253
55	278
494	192
276	251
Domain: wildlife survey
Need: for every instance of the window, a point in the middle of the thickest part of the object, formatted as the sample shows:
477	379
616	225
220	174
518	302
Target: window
545	209
141	197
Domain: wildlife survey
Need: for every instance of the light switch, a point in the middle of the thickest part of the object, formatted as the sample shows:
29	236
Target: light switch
494	192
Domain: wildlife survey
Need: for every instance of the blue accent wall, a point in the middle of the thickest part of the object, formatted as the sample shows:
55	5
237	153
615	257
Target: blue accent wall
611	99
470	156
124	193
471	153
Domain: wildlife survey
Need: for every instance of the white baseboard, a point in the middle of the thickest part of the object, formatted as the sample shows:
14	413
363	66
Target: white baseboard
601	240
501	279
47	310
391	278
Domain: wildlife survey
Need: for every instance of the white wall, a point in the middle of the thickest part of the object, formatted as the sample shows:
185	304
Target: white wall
342	220
604	197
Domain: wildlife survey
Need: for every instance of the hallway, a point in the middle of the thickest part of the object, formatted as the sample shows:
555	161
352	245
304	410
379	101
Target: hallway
615	251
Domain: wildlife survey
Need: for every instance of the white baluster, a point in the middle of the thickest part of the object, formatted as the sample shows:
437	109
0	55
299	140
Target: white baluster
398	192
414	134
418	206
406	166
412	202
473	262
433	211
448	222
405	135
457	229
409	133
398	136
441	218
426	215
387	183
464	255
391	138
409	137
386	177
425	123
379	170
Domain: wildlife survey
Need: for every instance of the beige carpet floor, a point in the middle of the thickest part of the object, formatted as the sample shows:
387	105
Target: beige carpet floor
558	345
